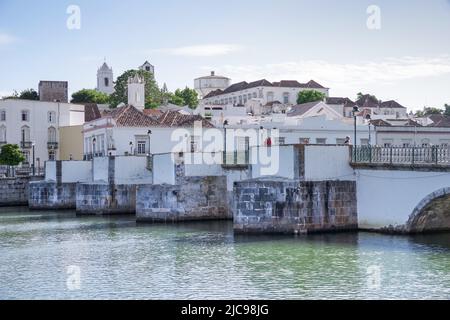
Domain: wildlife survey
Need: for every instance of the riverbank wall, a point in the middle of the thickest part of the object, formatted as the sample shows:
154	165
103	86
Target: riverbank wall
295	207
15	191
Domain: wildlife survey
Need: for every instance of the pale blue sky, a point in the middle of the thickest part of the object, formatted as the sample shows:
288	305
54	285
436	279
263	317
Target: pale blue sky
408	59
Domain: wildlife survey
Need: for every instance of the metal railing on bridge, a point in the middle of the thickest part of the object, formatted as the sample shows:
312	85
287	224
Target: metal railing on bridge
437	155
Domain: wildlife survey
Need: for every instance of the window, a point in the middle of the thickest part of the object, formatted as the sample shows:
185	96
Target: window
240	99
147	68
321	140
51	155
141	147
25	134
194	144
281	141
249	96
51	134
255	95
25	115
51	117
2	134
406	143
3	115
340	141
286	97
26	154
106	82
269	96
364	142
304	140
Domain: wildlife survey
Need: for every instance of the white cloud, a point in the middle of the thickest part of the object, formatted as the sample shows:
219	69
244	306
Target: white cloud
206	50
6	39
388	70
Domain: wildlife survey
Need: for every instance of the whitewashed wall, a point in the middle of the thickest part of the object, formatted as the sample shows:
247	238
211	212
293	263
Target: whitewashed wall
76	171
50	171
328	163
132	170
389	197
163	169
274	161
100	169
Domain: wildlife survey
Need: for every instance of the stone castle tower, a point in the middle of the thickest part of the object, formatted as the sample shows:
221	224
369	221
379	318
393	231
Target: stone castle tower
136	92
105	79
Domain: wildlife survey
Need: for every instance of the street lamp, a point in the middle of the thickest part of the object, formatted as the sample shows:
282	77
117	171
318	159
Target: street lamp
149	133
368	118
355	110
94	141
34	160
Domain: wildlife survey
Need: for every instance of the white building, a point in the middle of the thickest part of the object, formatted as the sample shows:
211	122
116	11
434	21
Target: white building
105	79
410	133
257	95
207	84
136	92
128	131
27	123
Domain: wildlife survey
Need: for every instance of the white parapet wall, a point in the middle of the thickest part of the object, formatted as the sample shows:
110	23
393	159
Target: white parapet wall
276	161
389	197
71	171
328	162
100	169
163	169
132	170
50	171
76	171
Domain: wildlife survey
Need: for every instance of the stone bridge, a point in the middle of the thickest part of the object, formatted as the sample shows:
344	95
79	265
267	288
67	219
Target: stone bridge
404	190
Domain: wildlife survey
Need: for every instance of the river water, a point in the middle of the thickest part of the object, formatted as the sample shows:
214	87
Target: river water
48	255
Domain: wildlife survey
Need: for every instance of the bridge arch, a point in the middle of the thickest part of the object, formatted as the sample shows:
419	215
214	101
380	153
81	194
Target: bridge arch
432	213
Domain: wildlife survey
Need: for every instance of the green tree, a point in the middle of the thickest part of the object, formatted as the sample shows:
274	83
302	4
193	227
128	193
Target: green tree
310	96
11	155
177	99
90	96
29	94
185	97
428	111
447	110
153	95
360	95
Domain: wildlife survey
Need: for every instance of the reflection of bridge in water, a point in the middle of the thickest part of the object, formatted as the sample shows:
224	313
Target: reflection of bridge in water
403	188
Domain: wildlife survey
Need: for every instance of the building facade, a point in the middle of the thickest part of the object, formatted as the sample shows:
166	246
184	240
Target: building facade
261	93
30	123
213	82
54	91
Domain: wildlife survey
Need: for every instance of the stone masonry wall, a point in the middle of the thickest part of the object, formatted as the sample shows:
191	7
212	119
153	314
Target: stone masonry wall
105	199
14	191
287	206
197	198
52	196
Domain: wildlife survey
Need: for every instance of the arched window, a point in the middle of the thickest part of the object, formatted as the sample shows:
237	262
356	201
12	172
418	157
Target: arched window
106	82
51	134
2	134
25	134
3	115
51	116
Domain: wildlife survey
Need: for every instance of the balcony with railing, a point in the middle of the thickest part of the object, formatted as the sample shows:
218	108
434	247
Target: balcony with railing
26	144
399	155
52	145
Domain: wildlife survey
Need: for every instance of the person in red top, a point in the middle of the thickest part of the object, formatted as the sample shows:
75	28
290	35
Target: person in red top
268	142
